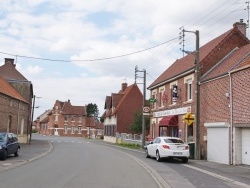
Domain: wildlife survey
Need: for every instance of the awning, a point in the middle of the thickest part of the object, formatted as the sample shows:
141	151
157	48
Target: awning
169	121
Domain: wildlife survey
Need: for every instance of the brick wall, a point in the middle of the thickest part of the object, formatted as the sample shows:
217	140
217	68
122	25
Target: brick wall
19	113
214	106
241	97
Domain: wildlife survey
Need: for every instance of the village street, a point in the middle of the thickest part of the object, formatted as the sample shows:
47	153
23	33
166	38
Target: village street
51	161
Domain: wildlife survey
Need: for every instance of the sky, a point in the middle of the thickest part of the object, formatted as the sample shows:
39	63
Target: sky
82	51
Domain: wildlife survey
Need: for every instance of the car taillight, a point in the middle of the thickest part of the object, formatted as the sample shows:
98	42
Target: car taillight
165	146
186	148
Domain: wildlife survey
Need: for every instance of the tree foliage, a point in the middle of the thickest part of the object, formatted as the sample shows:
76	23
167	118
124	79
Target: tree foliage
92	110
137	124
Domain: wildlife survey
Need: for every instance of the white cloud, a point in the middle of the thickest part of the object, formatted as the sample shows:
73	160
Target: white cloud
68	29
34	70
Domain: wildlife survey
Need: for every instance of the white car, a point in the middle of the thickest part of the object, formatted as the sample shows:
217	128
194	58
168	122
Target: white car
168	147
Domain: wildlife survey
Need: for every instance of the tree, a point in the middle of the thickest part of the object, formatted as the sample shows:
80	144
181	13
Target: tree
92	110
137	124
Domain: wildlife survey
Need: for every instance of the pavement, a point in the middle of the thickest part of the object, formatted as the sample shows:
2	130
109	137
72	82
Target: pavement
239	175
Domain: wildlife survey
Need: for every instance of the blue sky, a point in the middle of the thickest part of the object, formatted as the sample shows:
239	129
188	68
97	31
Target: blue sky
84	30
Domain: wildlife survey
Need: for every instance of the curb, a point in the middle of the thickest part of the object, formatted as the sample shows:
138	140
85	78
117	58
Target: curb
29	160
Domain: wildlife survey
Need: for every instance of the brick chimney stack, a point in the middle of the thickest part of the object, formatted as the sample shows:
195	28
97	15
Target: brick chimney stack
241	26
10	60
124	86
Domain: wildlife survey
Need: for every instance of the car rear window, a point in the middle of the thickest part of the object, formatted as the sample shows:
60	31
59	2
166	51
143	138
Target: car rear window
170	140
2	137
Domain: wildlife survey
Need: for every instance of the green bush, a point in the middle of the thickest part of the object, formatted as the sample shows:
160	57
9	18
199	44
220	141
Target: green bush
130	145
34	131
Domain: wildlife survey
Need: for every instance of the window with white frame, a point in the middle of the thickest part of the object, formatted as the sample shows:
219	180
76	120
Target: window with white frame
65	129
72	118
79	130
174	92
72	129
189	90
56	117
79	118
161	97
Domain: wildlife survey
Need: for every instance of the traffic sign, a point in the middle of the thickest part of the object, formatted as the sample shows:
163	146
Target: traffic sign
146	109
152	100
188	118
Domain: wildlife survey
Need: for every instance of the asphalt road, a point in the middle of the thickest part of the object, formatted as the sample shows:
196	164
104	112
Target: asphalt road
79	164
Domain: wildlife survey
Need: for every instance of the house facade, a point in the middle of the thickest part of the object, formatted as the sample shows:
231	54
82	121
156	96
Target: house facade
175	90
68	120
225	108
14	111
120	109
25	88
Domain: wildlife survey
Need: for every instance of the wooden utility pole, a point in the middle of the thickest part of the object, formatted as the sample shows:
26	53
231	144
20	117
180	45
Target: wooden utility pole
197	90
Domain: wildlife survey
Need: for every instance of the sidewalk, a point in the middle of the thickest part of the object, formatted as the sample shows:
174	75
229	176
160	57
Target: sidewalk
28	152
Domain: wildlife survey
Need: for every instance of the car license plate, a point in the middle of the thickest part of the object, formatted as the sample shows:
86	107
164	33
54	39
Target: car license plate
177	153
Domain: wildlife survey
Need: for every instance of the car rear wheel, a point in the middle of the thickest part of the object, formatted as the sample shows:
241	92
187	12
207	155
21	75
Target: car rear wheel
184	160
158	157
146	153
4	156
17	152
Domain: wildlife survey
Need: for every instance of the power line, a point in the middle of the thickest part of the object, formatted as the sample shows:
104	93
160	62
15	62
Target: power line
99	59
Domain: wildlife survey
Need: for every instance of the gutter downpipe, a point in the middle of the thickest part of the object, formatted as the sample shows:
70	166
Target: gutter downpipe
231	122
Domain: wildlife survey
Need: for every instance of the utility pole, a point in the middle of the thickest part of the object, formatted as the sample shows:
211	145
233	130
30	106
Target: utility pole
143	102
32	114
197	74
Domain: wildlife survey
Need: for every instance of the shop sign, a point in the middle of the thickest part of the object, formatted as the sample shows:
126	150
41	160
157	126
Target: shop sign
171	112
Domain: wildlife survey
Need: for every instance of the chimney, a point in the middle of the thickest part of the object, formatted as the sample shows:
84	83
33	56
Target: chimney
241	26
124	86
68	101
9	60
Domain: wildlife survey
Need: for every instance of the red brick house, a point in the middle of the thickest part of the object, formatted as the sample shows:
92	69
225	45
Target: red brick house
120	109
14	111
24	87
175	88
225	109
68	120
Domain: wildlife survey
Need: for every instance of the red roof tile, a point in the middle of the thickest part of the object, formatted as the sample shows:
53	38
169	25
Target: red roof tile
9	72
7	89
126	92
233	60
69	109
186	63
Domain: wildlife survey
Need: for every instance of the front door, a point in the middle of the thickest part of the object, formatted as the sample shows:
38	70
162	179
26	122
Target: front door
56	131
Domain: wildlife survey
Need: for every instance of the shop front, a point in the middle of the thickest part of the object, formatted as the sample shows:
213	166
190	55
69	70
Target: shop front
171	123
168	126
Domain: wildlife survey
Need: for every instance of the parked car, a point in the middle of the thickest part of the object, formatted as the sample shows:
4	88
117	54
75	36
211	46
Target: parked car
8	145
167	147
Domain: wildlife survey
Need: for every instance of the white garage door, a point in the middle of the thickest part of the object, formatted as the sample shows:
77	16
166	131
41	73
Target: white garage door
218	142
246	146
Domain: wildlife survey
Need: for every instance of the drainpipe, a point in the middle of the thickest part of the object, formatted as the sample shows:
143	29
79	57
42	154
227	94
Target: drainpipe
231	121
